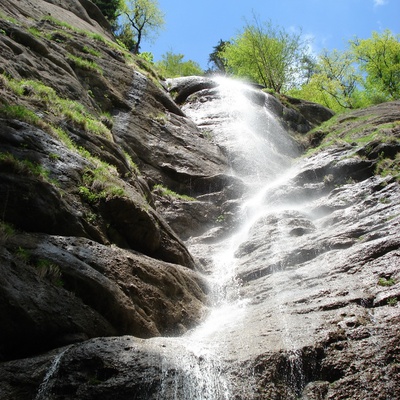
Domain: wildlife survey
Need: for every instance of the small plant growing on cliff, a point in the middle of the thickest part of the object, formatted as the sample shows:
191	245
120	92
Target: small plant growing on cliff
9	19
82	63
73	110
6	231
91	51
100	183
220	219
132	164
386	282
24	166
161	118
23	254
50	271
21	113
392	301
163	191
387	166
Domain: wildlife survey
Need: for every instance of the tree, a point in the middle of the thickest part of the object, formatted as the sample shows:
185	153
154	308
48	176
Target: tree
110	9
145	19
333	82
216	60
172	66
266	54
125	36
367	73
379	58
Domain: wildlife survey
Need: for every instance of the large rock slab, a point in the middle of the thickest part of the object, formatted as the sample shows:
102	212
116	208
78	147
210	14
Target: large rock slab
58	290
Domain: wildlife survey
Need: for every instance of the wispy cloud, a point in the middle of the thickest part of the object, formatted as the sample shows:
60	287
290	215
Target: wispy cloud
378	3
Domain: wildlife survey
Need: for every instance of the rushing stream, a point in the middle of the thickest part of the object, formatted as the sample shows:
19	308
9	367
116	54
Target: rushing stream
260	152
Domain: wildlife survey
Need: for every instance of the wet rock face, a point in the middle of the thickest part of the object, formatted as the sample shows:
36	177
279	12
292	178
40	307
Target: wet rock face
321	270
103	233
63	290
84	252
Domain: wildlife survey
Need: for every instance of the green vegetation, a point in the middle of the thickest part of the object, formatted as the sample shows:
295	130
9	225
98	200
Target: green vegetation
140	19
172	66
26	167
59	36
265	54
392	301
91	51
109	8
23	254
159	117
94	36
131	164
359	132
66	108
9	19
100	183
82	63
220	219
352	130
386	282
45	268
367	73
48	270
387	166
6	231
21	113
163	191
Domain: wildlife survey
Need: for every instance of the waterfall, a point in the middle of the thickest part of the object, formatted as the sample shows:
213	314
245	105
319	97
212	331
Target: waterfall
259	152
44	391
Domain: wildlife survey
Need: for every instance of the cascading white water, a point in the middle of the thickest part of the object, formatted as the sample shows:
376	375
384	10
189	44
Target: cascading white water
259	151
45	387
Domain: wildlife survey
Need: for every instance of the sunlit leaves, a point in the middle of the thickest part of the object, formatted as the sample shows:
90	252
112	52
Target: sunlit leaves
379	59
266	54
172	66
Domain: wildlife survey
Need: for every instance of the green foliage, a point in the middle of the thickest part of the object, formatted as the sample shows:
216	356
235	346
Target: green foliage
126	36
109	8
265	54
147	56
388	166
48	270
131	164
94	36
23	254
6	231
172	66
379	58
392	301
216	60
82	63
60	23
145	19
100	183
9	19
26	167
34	31
70	109
91	51
163	191
367	73
19	112
333	82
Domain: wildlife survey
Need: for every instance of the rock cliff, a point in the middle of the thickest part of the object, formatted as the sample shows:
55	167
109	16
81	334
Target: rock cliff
115	191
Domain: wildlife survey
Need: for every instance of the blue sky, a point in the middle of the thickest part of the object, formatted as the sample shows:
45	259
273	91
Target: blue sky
193	28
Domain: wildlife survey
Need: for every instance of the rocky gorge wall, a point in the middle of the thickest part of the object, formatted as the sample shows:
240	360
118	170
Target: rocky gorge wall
112	197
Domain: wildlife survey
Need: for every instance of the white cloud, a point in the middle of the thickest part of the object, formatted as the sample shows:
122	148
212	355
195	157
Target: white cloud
378	3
